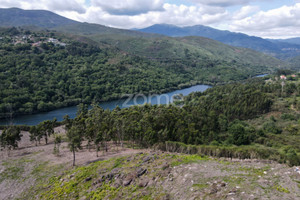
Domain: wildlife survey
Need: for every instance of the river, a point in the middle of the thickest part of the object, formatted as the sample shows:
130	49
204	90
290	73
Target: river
166	98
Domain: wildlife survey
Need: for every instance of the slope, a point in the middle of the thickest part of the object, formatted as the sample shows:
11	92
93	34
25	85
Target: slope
40	18
278	49
188	48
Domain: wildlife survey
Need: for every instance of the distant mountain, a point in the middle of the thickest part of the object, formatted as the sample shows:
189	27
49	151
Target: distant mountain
290	40
279	49
295	63
88	29
41	18
37	19
189	50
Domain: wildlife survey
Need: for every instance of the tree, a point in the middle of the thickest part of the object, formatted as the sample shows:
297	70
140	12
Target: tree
10	137
75	138
270	127
292	157
35	134
67	122
47	128
57	143
238	134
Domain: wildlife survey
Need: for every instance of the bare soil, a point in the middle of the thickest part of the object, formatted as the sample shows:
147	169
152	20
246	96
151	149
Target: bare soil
41	154
207	179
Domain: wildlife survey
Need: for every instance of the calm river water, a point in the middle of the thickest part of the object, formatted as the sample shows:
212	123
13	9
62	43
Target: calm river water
166	98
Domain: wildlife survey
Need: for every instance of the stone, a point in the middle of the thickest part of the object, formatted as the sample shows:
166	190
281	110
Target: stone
214	189
115	170
127	182
148	158
117	183
223	184
143	183
141	172
88	179
109	176
165	166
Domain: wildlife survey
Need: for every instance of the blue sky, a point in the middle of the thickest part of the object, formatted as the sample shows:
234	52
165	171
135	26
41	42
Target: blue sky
263	18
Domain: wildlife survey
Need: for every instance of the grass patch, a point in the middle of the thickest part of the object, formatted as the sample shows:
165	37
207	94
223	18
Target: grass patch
200	185
279	188
238	179
14	169
255	171
186	159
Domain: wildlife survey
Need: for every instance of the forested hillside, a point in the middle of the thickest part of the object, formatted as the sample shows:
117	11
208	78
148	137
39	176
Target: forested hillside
41	71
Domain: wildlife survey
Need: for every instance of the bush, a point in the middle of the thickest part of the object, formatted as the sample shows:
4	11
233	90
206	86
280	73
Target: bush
270	127
287	116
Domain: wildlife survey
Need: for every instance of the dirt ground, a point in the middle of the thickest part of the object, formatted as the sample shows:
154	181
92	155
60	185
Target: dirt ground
41	154
210	179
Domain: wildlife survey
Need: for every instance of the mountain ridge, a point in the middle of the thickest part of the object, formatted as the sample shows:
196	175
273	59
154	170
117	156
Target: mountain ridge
278	48
18	17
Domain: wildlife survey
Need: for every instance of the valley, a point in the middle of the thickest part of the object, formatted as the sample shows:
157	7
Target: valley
89	112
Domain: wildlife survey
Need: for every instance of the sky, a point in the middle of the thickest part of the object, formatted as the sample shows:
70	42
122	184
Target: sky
262	18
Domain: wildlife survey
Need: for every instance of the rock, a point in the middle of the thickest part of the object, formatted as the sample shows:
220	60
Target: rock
129	159
88	179
97	182
102	171
143	183
127	182
141	172
150	183
233	191
165	166
148	158
117	183
109	176
214	189
166	197
115	170
223	184
129	179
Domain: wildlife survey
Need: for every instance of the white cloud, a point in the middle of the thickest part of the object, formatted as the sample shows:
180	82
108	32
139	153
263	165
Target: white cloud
224	14
9	3
244	12
128	7
272	23
222	3
180	15
52	5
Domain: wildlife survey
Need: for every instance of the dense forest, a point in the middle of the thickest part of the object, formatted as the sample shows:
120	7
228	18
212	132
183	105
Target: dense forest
221	117
37	74
234	120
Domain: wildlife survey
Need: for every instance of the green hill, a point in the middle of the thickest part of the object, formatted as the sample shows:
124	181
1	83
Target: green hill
192	50
102	67
295	63
40	18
